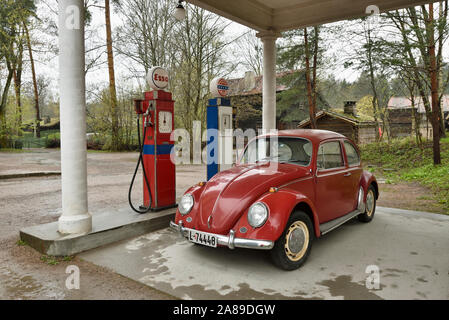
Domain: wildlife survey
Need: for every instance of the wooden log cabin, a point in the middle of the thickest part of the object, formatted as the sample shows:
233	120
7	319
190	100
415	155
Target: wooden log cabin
348	124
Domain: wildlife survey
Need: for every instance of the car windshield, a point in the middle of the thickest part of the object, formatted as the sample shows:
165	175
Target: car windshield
278	149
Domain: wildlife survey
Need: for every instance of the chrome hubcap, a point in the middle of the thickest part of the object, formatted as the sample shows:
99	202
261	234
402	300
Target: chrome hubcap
297	240
369	203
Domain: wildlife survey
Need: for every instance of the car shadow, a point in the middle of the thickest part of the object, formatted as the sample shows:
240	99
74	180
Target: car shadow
246	259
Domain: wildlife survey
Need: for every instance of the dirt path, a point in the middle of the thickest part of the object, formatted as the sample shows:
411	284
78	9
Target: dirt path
24	276
410	196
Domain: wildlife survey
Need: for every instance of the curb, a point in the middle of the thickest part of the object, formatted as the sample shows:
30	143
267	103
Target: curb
29	174
420	214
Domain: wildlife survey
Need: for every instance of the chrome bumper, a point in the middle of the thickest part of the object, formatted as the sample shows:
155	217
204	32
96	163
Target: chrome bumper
229	241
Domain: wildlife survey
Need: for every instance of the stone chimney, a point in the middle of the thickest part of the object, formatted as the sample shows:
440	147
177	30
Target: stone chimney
249	80
350	109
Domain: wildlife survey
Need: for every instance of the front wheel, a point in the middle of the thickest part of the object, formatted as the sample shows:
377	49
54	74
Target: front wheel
370	206
294	245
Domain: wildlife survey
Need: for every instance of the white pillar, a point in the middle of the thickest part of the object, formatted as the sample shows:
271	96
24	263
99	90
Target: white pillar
75	217
269	79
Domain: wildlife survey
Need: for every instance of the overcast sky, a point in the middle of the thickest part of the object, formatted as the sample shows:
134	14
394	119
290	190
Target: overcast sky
48	64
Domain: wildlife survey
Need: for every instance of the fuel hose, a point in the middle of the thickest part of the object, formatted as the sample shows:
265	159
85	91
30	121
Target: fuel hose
140	161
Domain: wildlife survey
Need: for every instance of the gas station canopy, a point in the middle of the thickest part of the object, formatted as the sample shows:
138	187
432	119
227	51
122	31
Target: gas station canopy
283	15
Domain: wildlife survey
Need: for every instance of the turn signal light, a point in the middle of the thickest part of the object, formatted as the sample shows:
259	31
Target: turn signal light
273	190
202	183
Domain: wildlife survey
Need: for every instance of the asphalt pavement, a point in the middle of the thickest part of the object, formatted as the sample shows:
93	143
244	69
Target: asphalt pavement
408	249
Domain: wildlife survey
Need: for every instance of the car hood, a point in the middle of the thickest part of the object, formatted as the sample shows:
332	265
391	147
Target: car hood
229	193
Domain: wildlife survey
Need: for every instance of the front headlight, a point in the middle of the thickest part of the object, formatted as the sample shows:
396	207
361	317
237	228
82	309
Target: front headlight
257	214
186	204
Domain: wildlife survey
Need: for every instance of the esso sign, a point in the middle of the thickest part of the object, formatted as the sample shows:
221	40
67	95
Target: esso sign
219	87
157	78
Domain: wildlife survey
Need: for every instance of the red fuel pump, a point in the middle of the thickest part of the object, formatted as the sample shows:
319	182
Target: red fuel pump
159	185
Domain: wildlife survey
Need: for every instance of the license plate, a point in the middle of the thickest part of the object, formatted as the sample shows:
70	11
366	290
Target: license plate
203	238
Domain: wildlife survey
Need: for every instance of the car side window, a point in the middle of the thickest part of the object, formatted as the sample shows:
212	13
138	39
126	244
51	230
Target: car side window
351	154
329	156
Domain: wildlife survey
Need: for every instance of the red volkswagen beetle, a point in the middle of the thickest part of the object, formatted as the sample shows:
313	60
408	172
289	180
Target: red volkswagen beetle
287	189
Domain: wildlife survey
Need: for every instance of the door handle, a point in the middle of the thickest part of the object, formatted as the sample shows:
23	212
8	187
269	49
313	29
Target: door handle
347	174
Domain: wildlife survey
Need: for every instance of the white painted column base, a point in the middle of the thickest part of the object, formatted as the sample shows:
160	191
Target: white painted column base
75	224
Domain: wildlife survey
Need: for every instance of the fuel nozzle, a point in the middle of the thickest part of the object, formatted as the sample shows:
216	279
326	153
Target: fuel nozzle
147	116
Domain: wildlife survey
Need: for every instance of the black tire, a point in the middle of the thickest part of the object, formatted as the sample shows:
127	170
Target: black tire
370	208
284	258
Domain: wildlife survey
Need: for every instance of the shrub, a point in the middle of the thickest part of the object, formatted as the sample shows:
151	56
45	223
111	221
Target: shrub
53	141
95	143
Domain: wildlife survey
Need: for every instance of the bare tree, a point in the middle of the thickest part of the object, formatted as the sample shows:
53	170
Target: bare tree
198	58
112	90
423	37
311	80
37	131
251	51
434	87
144	36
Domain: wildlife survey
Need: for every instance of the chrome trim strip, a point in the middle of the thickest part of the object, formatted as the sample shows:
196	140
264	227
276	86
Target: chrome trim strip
229	241
340	171
331	225
330	169
295	181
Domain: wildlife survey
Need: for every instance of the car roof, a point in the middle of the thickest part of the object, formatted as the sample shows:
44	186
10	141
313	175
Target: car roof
314	135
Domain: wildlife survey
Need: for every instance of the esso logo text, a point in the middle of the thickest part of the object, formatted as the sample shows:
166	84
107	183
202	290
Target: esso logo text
157	78
219	87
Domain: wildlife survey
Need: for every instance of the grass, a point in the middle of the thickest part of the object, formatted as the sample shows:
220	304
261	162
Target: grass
53	261
102	151
11	150
50	260
402	160
29	141
21	243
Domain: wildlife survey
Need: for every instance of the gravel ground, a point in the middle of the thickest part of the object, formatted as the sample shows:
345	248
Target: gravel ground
31	201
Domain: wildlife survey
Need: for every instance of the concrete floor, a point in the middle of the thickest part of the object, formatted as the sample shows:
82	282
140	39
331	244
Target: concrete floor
410	249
